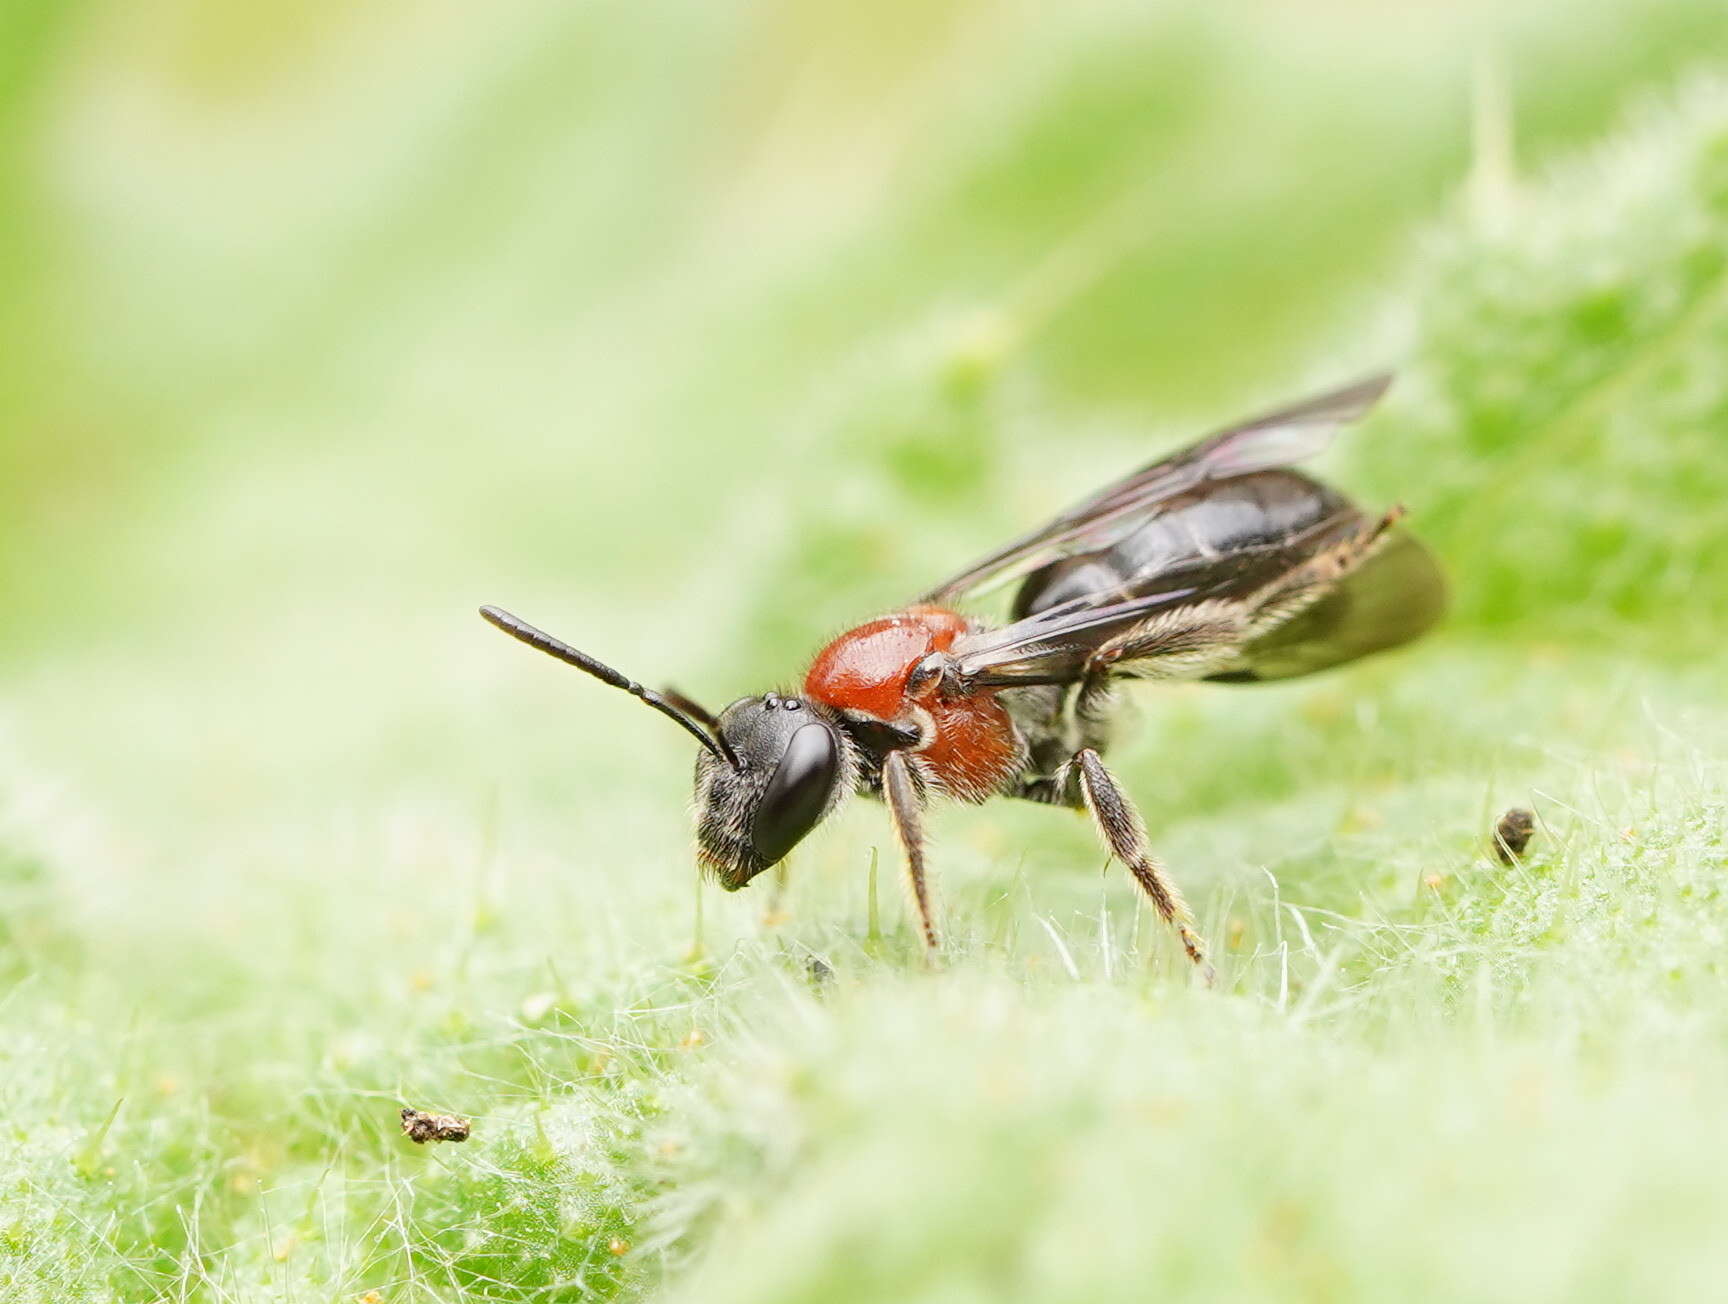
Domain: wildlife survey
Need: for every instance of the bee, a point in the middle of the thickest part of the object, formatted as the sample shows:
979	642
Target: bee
1219	562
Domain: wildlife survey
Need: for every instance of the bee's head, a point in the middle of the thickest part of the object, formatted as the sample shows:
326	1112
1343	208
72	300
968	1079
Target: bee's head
770	769
789	766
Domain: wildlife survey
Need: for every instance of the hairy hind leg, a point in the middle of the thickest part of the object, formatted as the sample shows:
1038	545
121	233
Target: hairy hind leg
1124	834
906	811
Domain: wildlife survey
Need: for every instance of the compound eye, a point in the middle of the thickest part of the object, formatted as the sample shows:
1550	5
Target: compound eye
797	794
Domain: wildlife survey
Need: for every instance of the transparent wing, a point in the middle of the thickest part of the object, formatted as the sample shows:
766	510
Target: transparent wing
1396	595
1216	598
1276	439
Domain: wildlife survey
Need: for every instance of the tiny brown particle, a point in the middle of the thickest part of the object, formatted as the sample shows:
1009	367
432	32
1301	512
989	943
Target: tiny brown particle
618	1246
1512	834
422	1127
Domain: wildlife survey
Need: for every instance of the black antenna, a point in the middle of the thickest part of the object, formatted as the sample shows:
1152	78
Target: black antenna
536	638
695	710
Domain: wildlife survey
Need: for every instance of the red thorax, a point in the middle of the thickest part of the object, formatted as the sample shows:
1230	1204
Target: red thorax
969	745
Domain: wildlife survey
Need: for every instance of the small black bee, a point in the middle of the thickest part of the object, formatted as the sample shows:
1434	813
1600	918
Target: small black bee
1217	563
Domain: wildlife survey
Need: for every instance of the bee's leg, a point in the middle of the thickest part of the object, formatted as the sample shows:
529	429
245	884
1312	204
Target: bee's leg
1124	835
698	936
1097	701
776	914
1187	643
906	808
1047	790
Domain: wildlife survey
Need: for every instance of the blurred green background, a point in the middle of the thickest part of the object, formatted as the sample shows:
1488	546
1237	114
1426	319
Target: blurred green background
694	332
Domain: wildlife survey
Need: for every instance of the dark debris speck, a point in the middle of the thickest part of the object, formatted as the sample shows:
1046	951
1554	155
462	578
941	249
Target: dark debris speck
422	1127
1513	833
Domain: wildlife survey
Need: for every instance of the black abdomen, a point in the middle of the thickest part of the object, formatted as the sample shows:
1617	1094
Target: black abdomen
1262	509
